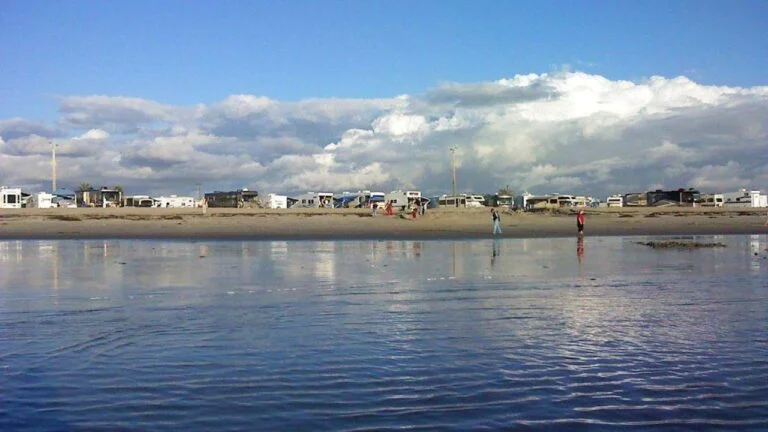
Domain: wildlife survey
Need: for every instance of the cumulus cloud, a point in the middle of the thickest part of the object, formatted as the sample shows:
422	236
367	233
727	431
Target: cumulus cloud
564	132
18	127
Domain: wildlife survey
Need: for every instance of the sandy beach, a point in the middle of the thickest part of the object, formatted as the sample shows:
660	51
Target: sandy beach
254	224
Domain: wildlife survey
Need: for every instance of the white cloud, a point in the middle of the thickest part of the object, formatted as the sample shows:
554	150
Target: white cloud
567	132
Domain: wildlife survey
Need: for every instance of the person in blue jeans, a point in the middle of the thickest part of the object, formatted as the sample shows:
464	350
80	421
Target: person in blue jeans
496	221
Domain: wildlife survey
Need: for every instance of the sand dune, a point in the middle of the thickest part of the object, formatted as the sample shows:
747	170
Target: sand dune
352	223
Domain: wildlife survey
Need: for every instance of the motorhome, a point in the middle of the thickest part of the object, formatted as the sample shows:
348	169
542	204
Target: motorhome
139	201
452	201
174	201
744	198
680	197
712	200
41	200
231	199
10	197
502	201
314	200
475	201
566	201
104	197
275	201
615	201
403	200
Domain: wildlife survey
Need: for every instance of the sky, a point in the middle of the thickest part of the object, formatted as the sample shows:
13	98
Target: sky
583	97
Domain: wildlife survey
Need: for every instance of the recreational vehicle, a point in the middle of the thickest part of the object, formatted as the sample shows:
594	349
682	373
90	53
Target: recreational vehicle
275	201
712	200
404	199
232	199
10	197
314	200
680	197
104	197
475	201
139	201
174	201
40	200
452	201
502	201
744	198
615	201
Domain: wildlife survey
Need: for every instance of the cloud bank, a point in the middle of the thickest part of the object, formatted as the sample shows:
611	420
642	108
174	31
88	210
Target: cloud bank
564	132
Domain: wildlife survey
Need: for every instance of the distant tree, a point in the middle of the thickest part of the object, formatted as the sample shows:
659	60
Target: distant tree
506	190
84	187
119	189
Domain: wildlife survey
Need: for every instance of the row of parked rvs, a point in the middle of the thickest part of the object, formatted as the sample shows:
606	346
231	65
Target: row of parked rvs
689	197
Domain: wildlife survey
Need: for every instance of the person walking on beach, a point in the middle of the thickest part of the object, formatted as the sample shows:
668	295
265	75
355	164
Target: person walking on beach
580	222
388	208
496	221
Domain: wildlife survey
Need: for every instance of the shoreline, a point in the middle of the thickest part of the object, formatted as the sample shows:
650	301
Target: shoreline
354	224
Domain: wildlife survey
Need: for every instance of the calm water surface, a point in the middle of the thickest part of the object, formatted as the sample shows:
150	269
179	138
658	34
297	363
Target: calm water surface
545	334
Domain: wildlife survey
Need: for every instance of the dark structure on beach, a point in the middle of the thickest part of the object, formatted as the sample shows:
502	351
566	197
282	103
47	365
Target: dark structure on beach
680	197
232	199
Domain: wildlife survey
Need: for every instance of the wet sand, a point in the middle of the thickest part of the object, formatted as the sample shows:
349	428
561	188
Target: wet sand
314	224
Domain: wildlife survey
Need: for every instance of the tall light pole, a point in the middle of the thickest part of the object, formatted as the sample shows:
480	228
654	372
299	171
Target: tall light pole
53	167
453	168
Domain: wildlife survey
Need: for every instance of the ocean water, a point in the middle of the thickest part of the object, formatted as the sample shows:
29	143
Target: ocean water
536	334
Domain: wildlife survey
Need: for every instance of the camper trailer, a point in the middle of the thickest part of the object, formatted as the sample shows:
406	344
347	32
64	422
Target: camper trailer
403	200
174	201
314	200
712	200
615	201
475	201
104	197
10	197
744	198
232	199
139	201
40	200
275	201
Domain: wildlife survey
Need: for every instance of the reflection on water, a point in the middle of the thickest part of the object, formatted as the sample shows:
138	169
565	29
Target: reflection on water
143	335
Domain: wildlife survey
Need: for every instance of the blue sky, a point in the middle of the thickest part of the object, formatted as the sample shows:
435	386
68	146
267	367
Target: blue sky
188	52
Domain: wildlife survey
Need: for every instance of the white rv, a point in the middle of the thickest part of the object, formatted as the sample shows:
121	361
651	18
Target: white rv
40	200
314	200
403	199
10	197
615	201
139	201
475	201
275	201
174	201
744	198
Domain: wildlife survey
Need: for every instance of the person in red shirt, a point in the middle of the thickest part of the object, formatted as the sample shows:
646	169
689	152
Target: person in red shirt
580	221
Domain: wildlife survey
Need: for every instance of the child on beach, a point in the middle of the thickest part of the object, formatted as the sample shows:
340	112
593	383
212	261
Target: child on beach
580	222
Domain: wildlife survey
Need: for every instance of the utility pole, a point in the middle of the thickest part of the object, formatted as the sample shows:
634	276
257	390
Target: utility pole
453	168
53	167
198	191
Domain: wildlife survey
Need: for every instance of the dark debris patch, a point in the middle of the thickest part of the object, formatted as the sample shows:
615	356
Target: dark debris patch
675	244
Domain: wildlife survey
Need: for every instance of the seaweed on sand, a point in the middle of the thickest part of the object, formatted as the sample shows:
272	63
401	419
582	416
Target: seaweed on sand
676	244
